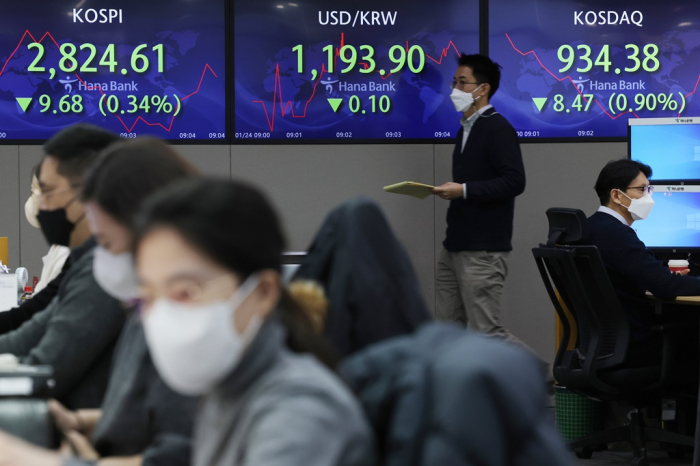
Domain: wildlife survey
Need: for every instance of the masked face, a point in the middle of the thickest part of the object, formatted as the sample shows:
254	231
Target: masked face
55	225
31	209
113	265
463	100
59	208
639	208
115	273
194	347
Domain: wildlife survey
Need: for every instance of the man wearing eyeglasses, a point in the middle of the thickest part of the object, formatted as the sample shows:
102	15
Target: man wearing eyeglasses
626	196
62	222
487	175
77	329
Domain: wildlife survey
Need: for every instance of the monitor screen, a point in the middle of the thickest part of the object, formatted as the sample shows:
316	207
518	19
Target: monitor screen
581	69
670	146
348	71
136	67
674	222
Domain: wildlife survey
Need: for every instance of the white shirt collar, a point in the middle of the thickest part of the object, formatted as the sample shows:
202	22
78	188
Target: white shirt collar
609	211
470	121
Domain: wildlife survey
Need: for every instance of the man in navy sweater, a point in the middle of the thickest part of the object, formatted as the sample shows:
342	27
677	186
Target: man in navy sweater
625	196
487	173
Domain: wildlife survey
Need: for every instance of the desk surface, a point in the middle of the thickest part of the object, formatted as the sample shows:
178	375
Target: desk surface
687	300
690	300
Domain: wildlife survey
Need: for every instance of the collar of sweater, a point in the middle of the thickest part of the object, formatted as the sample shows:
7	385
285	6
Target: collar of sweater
469	121
260	356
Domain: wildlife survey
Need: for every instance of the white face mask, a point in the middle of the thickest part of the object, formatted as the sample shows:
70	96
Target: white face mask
195	347
639	208
31	209
463	100
115	273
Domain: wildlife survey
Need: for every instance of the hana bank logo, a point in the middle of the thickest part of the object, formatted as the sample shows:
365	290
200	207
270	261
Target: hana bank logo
67	84
684	120
328	83
579	83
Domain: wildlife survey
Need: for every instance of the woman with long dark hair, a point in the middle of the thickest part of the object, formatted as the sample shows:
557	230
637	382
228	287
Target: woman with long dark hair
219	323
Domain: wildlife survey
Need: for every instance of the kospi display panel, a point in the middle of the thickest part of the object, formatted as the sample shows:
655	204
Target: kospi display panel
581	69
348	71
670	146
674	222
135	67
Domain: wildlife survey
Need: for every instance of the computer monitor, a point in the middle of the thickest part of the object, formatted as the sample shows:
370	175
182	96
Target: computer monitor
674	223
670	146
291	261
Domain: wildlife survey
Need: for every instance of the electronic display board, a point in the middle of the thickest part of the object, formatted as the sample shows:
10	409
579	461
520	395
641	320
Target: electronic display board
348	71
582	69
151	67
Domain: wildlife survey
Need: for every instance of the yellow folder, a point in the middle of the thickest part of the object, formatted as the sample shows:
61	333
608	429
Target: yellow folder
410	188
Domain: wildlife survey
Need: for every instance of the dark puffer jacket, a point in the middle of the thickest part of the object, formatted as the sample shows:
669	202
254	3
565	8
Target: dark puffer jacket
372	289
443	396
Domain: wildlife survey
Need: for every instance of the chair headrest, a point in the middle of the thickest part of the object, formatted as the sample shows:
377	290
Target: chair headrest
567	226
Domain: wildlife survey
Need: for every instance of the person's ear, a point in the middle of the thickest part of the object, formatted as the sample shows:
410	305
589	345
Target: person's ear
615	196
75	211
269	290
486	88
262	301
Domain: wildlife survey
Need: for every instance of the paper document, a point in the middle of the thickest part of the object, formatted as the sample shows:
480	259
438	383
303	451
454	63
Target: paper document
410	188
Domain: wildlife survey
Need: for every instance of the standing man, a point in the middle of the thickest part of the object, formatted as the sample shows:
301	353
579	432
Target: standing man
487	173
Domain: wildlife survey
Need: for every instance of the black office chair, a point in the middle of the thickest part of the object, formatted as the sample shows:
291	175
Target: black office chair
596	366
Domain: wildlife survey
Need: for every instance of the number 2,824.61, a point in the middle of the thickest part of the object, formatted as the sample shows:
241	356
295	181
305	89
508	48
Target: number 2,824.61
140	63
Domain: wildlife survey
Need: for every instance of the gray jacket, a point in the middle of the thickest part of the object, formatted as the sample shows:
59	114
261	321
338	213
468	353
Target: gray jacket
279	408
140	414
75	334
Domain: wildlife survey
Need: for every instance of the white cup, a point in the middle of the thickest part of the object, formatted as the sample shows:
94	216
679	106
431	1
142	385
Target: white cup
678	265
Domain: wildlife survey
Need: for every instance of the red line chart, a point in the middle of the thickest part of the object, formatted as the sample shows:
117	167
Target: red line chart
534	54
287	107
691	93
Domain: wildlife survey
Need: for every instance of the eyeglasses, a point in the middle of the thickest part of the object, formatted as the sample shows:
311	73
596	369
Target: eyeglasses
459	84
52	192
645	189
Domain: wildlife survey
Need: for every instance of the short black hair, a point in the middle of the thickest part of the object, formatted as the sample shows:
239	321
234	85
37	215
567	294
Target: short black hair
618	174
76	147
484	70
127	172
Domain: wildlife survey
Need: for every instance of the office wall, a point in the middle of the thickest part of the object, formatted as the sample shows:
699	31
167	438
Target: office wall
305	182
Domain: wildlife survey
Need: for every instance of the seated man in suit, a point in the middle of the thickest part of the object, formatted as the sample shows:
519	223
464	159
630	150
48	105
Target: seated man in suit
625	197
77	330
